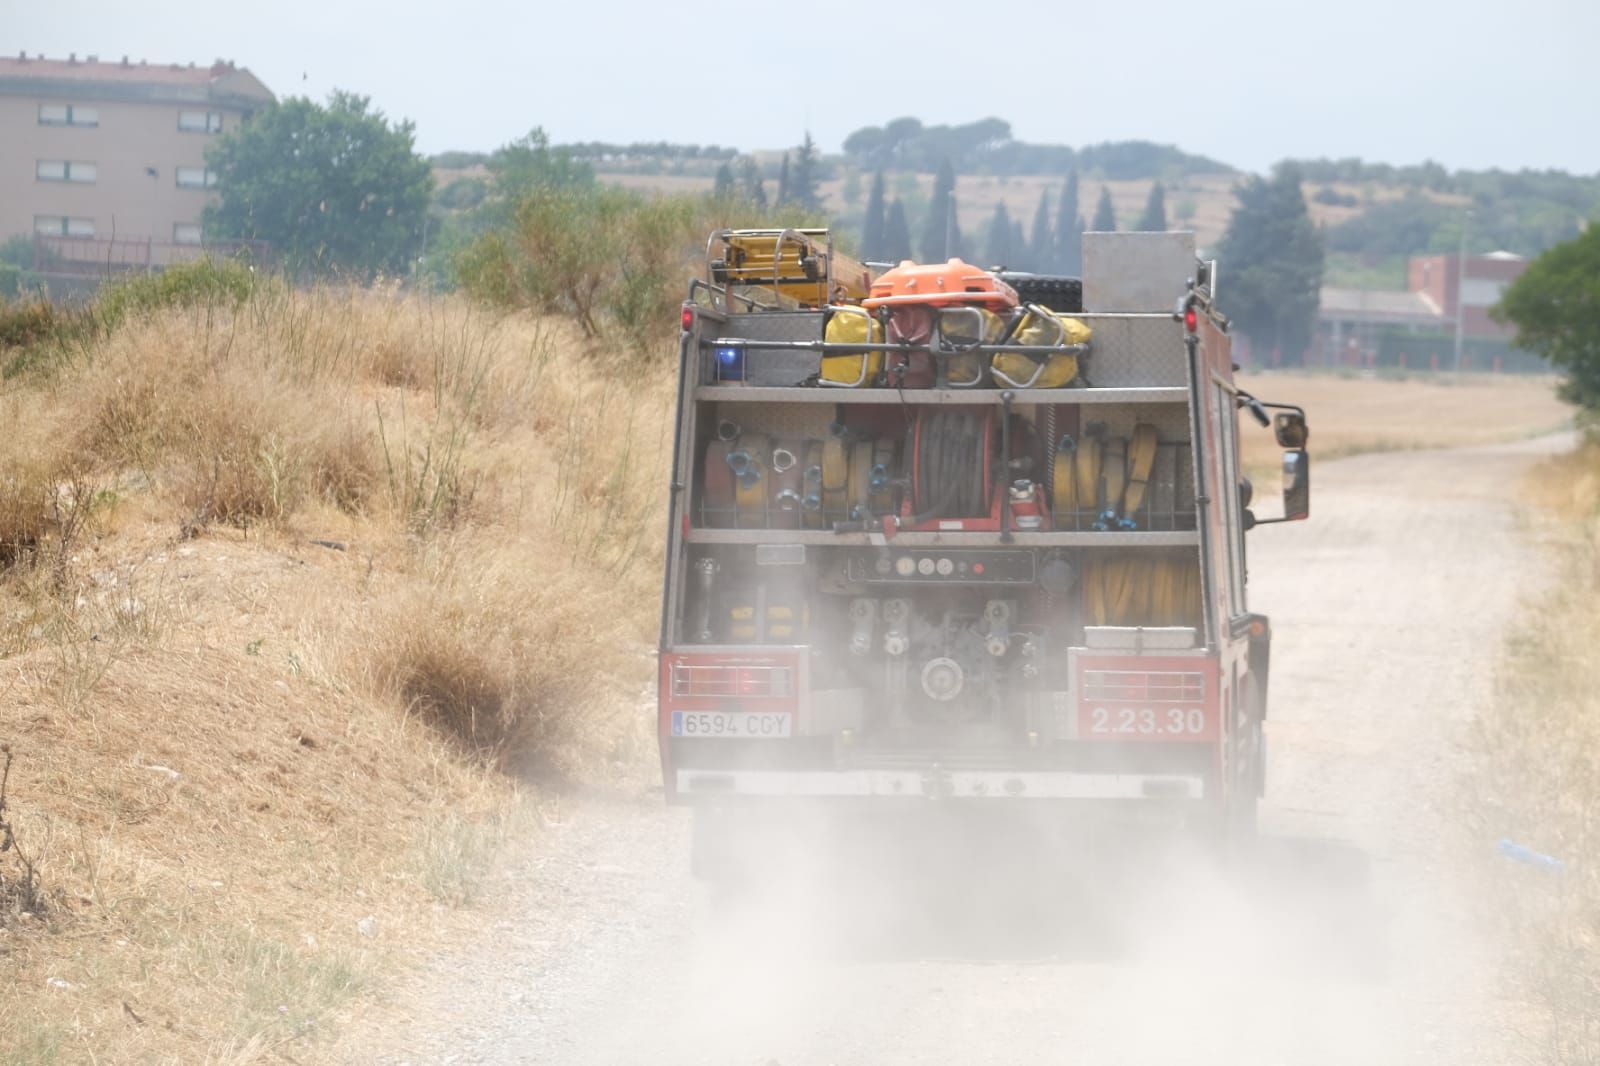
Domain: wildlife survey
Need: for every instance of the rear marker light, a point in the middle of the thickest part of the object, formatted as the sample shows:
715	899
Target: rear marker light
688	319
1191	319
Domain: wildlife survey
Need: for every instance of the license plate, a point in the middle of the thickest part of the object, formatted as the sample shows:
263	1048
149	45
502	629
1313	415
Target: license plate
736	725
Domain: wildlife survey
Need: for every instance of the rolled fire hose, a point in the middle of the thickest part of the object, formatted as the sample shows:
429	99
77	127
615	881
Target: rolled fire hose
716	489
858	489
748	463
1141	461
786	481
1064	482
1086	471
1114	471
881	477
835	478
811	492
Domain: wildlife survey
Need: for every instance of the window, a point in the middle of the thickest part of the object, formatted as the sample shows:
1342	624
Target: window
200	121
186	233
57	226
195	177
57	170
68	115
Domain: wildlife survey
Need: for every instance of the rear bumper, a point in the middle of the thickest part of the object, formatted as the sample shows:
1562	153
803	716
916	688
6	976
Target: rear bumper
692	784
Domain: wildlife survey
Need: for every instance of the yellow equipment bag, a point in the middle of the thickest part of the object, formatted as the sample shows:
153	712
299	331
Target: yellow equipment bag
961	326
1041	326
852	371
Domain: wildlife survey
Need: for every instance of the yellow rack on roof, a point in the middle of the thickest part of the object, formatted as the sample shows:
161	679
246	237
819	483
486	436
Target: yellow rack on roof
798	264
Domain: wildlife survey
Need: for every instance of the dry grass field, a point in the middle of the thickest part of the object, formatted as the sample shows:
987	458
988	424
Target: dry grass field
283	587
1538	781
1351	414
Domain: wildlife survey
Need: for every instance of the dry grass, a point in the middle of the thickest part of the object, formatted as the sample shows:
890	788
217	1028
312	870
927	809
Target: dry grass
1353	415
1539	773
283	586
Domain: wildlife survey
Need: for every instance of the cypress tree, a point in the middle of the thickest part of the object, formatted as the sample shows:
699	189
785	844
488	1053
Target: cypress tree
751	185
1041	243
1154	219
1105	216
785	192
1068	256
806	180
723	187
997	250
939	230
872	234
896	233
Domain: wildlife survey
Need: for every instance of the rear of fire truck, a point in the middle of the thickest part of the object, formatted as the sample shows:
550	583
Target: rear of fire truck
945	535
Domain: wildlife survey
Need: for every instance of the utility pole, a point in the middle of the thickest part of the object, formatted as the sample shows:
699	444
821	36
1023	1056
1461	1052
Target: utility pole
1461	275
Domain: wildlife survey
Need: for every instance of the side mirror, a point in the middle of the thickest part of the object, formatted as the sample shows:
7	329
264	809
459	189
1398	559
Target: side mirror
1296	480
1291	430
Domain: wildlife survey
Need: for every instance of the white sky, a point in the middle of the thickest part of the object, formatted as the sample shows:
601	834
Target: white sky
1472	83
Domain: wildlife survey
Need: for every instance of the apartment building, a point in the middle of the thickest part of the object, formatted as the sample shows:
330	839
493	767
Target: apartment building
102	158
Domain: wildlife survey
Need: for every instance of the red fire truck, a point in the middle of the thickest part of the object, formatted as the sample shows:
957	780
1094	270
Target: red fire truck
941	534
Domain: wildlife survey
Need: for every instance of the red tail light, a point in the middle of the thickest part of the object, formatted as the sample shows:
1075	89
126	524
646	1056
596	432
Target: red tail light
688	318
1191	320
697	680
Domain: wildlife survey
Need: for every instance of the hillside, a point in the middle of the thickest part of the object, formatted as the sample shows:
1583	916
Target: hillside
287	580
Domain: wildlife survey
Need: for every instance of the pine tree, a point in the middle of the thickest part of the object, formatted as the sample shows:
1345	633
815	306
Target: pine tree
806	180
1041	243
1105	216
872	227
1154	219
785	191
752	188
1019	246
722	188
1068	257
939	228
1273	258
896	233
997	250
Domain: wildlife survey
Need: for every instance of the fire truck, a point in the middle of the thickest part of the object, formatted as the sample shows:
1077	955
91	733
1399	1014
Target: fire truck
967	537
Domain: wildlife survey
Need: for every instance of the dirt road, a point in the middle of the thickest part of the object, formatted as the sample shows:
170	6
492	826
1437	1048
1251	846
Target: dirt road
1353	938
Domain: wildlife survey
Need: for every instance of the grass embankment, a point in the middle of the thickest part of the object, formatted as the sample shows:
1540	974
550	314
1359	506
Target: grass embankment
286	578
1538	783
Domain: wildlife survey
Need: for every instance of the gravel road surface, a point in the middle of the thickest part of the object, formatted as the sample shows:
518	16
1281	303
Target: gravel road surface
1353	937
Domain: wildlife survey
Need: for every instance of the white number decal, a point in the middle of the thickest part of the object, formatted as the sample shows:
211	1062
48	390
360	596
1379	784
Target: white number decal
1148	721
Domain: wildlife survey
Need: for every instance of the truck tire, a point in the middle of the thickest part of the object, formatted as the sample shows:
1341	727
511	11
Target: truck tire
1056	292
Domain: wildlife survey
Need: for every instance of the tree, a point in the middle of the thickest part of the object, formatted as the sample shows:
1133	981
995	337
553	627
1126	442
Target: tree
1273	256
872	225
940	235
896	233
785	190
332	187
807	177
1154	219
1068	257
722	187
1555	307
997	250
750	184
1041	243
1105	216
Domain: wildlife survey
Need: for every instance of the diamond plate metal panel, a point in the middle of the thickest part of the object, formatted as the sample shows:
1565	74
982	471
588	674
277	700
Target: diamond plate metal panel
1135	350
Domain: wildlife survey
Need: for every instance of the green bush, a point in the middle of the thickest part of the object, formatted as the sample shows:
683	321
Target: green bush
202	282
606	256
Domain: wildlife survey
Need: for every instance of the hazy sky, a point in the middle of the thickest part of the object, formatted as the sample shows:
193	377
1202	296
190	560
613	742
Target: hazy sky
1472	83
